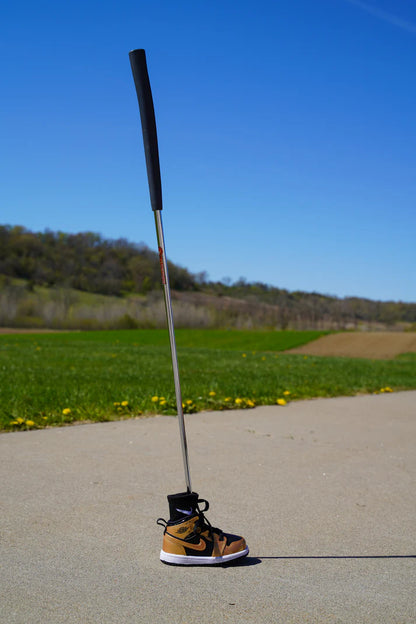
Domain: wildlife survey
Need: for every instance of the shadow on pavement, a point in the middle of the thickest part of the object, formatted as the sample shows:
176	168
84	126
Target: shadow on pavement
338	557
250	561
243	562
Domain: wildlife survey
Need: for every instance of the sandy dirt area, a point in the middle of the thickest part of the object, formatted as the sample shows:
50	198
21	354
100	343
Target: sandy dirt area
373	345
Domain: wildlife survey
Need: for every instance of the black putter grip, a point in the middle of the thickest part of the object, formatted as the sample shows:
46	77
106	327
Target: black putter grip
147	115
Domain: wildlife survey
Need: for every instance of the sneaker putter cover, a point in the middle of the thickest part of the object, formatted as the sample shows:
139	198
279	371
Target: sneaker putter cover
189	538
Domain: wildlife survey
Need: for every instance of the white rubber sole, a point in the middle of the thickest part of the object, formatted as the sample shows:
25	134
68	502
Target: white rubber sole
189	560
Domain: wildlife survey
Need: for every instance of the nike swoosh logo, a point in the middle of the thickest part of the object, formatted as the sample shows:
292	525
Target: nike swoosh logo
200	546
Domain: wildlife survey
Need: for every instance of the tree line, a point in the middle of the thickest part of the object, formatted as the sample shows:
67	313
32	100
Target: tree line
88	262
84	261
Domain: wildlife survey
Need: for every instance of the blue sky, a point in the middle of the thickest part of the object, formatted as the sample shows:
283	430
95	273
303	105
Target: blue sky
287	134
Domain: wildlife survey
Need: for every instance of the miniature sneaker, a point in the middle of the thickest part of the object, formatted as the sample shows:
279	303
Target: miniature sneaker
189	539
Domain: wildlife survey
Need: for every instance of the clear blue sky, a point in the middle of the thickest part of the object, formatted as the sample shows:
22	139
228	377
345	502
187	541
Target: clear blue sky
287	134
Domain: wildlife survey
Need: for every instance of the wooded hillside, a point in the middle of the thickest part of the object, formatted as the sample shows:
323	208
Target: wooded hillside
129	276
84	261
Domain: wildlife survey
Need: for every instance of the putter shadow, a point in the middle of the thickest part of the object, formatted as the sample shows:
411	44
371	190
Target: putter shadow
250	561
261	558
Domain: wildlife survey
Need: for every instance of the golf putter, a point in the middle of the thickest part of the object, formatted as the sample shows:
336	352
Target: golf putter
151	151
189	539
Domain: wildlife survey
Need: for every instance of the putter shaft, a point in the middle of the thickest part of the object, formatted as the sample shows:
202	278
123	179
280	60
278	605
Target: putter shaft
151	150
169	317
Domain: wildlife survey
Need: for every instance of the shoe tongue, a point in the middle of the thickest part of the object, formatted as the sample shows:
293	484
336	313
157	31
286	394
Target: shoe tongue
182	505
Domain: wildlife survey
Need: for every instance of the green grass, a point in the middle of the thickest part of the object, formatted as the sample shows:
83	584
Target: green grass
261	340
409	357
93	373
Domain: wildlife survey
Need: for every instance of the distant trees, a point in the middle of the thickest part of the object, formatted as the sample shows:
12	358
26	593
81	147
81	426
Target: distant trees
84	261
88	262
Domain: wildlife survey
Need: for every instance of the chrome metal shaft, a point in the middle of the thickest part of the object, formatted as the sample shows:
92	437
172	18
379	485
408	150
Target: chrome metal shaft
169	317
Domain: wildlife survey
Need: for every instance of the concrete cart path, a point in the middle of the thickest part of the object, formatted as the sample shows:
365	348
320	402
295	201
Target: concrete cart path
323	491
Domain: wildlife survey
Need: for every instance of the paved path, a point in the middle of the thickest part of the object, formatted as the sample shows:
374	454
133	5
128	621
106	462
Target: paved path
323	491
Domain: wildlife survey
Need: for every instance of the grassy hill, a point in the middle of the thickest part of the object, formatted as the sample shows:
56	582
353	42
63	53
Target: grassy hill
83	281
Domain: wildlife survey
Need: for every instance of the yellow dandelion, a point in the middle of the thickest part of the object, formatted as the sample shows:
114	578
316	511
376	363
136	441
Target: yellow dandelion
14	422
44	418
388	389
163	402
189	402
212	393
20	421
227	399
286	392
155	399
124	403
29	423
66	411
116	403
238	401
250	403
281	402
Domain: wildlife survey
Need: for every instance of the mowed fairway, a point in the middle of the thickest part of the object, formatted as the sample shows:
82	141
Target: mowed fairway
49	379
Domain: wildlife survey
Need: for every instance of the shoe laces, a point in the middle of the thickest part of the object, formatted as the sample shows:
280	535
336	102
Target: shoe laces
203	523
